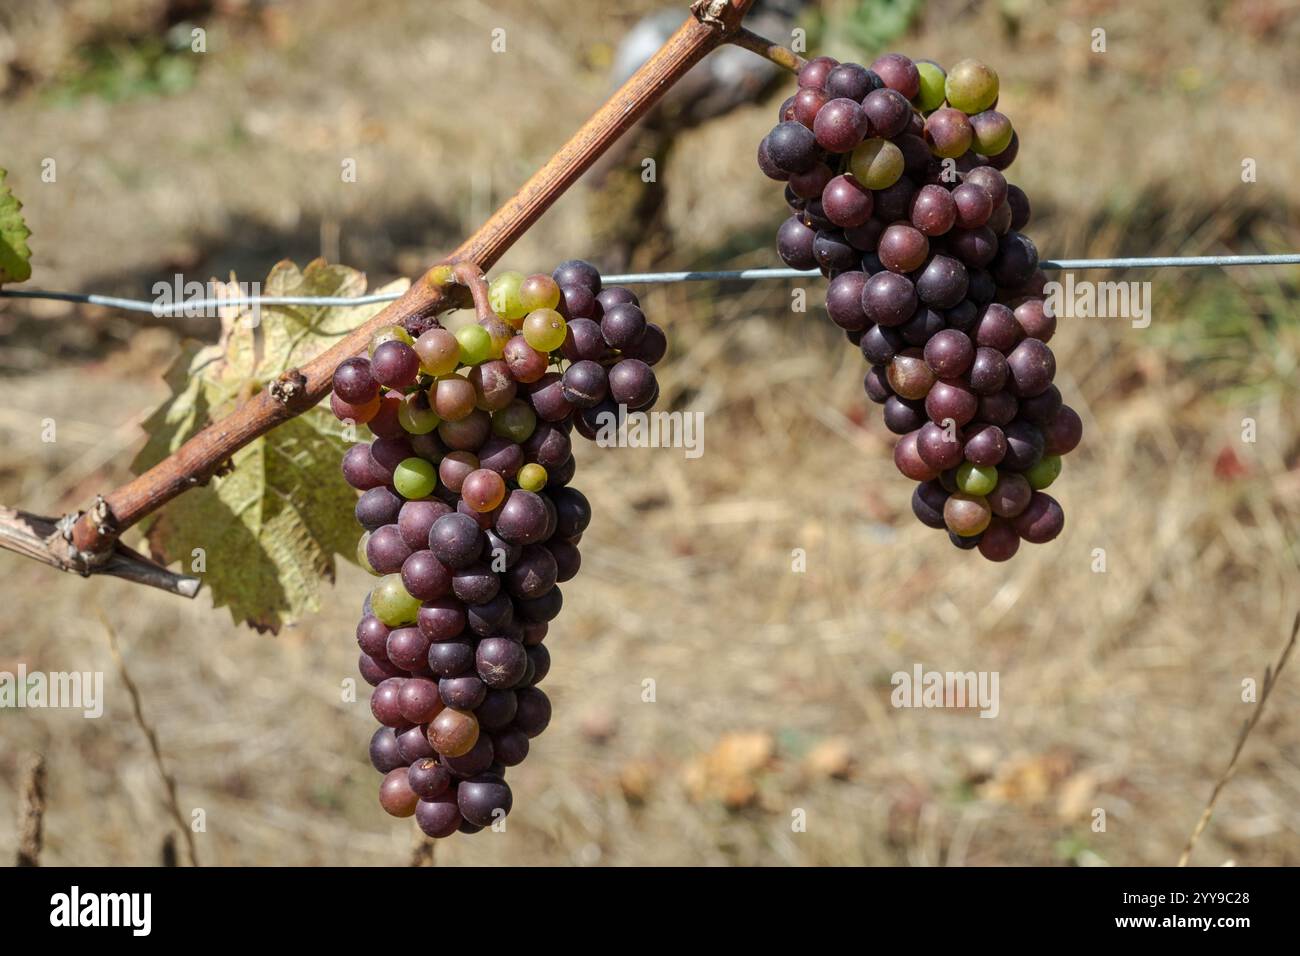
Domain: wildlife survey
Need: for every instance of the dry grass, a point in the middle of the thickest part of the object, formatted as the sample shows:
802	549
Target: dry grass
1120	690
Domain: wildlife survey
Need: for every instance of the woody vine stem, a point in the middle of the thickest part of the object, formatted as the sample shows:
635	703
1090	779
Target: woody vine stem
88	542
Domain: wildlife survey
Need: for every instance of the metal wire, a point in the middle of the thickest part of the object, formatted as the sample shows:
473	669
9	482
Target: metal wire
631	278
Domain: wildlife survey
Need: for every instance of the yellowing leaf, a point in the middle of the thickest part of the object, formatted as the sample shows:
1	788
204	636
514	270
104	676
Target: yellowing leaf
15	264
268	530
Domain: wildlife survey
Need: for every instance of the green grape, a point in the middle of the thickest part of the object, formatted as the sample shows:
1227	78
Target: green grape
877	163
539	292
499	333
991	132
1044	472
390	333
361	554
415	415
932	83
503	293
544	328
439	352
971	87
414	478
392	603
517	421
532	477
475	344
976	479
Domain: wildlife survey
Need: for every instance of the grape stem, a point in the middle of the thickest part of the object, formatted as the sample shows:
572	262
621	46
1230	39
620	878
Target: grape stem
92	545
469	275
782	56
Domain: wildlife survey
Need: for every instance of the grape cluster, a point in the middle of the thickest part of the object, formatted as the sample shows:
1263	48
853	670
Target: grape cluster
471	524
894	181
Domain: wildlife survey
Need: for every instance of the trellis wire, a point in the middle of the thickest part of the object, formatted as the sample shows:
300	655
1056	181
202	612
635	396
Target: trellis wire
631	278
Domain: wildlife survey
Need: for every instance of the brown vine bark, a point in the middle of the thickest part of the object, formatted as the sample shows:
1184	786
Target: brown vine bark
92	545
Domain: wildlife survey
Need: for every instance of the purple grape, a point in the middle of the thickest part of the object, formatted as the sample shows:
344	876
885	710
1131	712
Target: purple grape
840	126
377	507
986	445
386	551
584	383
632	383
888	298
484	799
949	353
510	747
442	619
573	511
904	415
359	469
1016	261
942	284
623	326
844	301
395	364
456	540
1041	521
473	763
927	503
407	648
651	348
847	202
888	112
522	519
439	816
476	584
462	693
353	381
413	745
424	576
372	635
429	779
792	147
533	712
1032	368
384	755
998	408
1025	445
576	272
997	328
1041	409
451	658
500	662
383	702
951	399
794	244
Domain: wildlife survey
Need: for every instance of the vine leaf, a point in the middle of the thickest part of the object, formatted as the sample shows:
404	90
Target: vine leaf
15	257
264	535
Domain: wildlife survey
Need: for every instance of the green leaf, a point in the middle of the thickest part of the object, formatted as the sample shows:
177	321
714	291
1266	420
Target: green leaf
15	257
269	529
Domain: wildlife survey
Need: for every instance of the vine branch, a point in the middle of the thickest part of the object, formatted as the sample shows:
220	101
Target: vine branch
92	546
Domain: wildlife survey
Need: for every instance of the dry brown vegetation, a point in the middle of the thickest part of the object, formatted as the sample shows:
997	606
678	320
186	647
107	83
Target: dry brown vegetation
1120	690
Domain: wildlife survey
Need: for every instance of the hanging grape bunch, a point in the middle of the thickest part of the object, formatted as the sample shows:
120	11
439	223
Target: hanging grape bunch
471	525
894	181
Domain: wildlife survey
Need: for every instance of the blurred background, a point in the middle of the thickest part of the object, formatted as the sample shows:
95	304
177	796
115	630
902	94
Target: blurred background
1121	689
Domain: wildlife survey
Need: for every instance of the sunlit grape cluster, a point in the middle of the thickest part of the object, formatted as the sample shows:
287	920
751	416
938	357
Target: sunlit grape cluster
471	525
894	181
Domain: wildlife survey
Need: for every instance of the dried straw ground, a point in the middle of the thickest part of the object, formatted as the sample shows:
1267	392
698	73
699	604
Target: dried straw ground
1120	690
